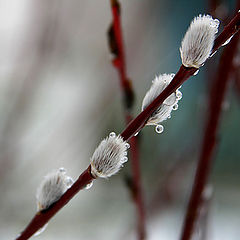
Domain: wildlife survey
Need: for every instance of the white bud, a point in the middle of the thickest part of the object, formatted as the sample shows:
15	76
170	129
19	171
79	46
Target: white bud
109	156
169	104
198	41
52	188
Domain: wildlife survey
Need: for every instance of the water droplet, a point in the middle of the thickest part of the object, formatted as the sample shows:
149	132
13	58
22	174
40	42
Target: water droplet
41	230
112	134
227	41
179	95
215	24
212	54
127	145
125	153
159	128
172	75
62	170
88	185
175	106
125	159
136	134
196	72
217	21
69	181
169	116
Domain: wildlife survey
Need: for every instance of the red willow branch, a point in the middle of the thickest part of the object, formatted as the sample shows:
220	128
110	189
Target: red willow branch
117	47
41	218
218	91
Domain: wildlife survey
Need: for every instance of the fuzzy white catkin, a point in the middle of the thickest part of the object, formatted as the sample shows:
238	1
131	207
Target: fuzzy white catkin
109	156
165	109
198	41
52	188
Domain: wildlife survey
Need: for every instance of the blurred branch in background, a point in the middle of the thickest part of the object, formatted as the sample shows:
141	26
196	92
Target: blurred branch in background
115	39
216	98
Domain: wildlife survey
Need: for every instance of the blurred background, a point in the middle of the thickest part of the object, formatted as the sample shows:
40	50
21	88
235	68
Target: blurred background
60	96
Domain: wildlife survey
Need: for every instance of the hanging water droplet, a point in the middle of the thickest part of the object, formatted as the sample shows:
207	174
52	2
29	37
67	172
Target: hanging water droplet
88	185
41	230
175	106
69	181
227	41
112	134
136	134
127	145
179	95
212	54
125	159
217	22
169	116
62	170
159	128
196	72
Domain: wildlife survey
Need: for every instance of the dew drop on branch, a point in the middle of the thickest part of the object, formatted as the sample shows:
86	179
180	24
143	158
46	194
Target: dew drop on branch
212	54
125	159
88	186
179	95
62	170
41	230
69	181
175	106
112	134
136	134
227	41
159	128
196	73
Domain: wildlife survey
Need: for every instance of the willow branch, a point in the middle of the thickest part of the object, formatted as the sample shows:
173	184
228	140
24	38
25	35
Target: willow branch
133	127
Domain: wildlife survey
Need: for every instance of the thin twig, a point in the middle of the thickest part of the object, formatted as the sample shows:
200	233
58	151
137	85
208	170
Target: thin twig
134	126
117	47
219	88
